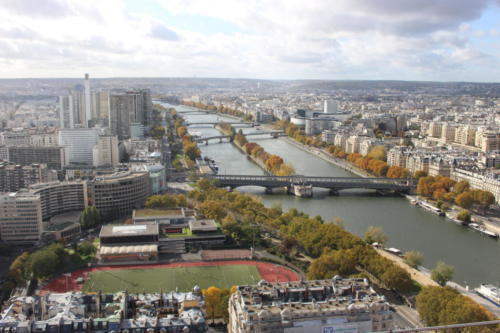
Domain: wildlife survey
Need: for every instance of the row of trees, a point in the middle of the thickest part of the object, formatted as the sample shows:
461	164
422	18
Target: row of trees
273	163
189	146
445	189
166	201
294	132
220	108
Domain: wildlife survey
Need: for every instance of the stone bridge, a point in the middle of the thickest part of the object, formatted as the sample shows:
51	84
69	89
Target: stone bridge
273	134
235	124
334	184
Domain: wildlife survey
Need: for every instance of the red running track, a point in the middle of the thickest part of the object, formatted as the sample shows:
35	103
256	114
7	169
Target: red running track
268	271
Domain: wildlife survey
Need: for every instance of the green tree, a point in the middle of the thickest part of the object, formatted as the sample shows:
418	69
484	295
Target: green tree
87	248
90	218
375	235
413	258
442	273
43	264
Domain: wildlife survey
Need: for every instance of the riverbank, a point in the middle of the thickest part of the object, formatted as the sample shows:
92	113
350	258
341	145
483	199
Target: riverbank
343	164
423	277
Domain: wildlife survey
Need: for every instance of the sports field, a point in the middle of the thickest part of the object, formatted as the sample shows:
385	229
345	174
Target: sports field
184	278
181	275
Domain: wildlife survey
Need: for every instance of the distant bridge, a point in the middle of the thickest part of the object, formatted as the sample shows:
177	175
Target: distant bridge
273	134
198	111
334	184
235	124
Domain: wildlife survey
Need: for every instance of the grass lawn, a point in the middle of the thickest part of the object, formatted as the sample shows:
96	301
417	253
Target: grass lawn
184	278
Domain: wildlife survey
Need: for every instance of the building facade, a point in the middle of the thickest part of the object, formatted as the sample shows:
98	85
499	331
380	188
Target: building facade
20	217
61	197
79	143
337	305
105	152
120	193
14	177
53	157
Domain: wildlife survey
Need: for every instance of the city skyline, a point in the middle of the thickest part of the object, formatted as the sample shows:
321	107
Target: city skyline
349	40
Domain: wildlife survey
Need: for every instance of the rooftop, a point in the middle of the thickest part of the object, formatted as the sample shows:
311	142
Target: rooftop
129	230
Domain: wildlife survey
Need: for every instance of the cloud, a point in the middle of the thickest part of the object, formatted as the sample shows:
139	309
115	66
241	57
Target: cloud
48	8
159	31
372	39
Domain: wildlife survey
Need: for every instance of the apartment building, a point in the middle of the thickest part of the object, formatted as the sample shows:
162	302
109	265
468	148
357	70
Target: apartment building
120	193
397	156
60	197
20	217
14	177
490	141
53	157
337	305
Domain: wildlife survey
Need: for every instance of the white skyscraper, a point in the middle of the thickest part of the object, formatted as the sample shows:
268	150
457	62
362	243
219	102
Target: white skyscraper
88	103
66	112
105	152
79	143
330	106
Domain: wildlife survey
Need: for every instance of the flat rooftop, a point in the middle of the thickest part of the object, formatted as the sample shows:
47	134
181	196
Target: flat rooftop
124	230
203	225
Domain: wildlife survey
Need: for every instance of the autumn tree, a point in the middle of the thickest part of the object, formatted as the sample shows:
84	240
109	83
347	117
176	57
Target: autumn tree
329	264
413	258
464	200
213	298
419	174
212	209
375	235
377	153
464	216
397	278
161	201
445	306
461	187
442	273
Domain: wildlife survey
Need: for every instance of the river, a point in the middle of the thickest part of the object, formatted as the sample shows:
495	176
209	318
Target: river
476	258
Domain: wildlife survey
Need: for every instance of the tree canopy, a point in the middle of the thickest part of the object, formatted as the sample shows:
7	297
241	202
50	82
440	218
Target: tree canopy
442	273
90	218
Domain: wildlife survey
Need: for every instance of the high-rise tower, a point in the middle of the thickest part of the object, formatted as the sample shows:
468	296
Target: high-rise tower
88	105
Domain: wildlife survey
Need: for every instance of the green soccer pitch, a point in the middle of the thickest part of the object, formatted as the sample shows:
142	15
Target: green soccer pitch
151	280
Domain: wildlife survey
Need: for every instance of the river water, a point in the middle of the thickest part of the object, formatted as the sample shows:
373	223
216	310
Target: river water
476	258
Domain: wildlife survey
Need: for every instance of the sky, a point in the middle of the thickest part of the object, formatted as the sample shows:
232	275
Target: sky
429	40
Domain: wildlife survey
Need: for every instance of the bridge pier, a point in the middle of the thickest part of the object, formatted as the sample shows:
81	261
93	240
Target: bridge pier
268	190
206	143
334	191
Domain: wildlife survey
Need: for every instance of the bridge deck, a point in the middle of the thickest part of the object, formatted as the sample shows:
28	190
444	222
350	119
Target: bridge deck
316	181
